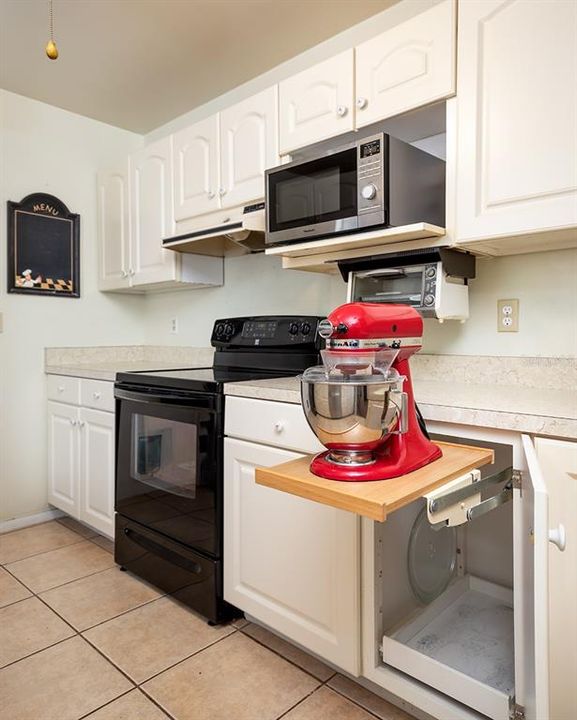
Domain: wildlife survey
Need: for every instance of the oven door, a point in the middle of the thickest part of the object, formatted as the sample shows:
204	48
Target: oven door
314	198
169	464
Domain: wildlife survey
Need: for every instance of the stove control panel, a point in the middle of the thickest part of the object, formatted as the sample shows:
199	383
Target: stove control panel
267	331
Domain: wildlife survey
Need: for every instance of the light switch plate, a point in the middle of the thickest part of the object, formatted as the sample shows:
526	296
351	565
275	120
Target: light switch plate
508	315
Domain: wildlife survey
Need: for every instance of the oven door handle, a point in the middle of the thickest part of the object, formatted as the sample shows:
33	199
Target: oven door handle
121	394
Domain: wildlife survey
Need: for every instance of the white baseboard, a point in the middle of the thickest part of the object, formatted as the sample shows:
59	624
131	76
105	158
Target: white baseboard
27	520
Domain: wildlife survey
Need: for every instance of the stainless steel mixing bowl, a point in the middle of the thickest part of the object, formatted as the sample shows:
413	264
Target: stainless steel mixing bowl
354	413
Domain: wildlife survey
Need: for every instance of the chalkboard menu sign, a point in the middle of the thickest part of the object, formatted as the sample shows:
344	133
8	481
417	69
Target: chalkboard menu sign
43	247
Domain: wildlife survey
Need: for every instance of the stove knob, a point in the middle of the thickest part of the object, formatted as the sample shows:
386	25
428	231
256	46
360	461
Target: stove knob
293	328
219	330
369	191
228	329
305	328
429	300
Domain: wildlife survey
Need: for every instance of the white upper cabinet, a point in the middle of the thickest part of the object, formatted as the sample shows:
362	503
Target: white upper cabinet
517	118
248	145
410	65
196	162
317	103
114	228
152	213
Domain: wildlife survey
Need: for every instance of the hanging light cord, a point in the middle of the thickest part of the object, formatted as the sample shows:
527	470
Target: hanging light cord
51	20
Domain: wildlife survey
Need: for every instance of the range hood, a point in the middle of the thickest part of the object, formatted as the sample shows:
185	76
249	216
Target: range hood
235	231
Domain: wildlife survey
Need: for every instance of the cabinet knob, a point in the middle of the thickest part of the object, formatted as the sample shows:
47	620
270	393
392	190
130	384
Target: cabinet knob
342	110
123	274
60	388
225	220
221	192
96	395
81	423
131	271
558	537
362	103
72	422
210	194
278	427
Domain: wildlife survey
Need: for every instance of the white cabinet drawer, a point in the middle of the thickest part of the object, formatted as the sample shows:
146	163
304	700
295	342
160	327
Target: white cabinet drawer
63	389
279	424
97	394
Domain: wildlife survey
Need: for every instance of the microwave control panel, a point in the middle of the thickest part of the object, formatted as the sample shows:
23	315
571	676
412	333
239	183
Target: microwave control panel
370	180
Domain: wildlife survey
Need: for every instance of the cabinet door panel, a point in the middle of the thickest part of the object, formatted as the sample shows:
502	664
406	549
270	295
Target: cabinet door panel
290	563
248	146
113	228
63	457
517	113
410	65
558	461
317	103
196	169
97	470
152	213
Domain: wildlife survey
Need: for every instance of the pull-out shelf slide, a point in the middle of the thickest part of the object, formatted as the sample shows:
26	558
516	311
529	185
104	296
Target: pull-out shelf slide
379	498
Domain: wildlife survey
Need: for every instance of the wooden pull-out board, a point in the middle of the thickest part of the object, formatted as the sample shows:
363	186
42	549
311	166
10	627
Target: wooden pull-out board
374	499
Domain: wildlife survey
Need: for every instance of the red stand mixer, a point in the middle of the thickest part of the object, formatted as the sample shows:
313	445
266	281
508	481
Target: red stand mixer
360	404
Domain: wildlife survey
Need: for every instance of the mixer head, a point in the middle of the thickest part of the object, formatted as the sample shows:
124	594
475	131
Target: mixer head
363	326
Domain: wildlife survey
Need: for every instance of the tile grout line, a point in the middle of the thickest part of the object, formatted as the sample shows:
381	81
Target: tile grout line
155	702
109	702
43	552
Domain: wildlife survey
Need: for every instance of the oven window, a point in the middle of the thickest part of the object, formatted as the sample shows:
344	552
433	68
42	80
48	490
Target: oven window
402	286
317	191
164	454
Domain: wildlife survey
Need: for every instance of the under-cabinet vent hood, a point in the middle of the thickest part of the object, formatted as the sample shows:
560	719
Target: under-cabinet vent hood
235	231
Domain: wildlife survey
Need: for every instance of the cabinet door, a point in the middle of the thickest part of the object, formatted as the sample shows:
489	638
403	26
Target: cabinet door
152	213
97	470
195	160
113	228
517	113
531	593
291	563
558	462
63	457
248	146
317	103
410	65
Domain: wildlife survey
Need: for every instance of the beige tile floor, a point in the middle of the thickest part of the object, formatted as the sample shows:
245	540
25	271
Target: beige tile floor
80	639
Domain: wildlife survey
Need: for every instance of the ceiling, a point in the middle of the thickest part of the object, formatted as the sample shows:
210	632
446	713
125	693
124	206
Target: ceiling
140	63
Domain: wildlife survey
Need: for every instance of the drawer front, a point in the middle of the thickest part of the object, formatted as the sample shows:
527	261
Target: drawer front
63	388
97	394
278	424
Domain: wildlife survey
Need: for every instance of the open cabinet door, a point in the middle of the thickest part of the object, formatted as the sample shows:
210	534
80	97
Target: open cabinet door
532	590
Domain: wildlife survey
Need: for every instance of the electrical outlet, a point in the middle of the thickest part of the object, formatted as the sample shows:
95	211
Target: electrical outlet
508	315
174	326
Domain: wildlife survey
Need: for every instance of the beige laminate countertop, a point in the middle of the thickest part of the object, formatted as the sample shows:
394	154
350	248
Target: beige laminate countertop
540	412
108	370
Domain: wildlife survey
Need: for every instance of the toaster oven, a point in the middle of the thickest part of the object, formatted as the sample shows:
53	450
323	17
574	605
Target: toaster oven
433	281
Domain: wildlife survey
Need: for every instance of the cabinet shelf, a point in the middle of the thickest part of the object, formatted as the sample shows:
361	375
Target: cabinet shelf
322	255
375	499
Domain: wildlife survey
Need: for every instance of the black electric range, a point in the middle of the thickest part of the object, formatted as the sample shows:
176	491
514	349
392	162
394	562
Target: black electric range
169	455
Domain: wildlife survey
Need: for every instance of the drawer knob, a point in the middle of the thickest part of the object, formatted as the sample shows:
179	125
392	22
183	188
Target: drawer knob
278	427
96	395
342	110
60	388
362	103
72	422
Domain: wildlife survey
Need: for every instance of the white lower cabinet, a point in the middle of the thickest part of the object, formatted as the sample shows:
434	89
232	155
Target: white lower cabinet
81	454
97	469
290	563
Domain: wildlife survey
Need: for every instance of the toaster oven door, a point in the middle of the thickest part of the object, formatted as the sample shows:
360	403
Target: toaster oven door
313	198
404	285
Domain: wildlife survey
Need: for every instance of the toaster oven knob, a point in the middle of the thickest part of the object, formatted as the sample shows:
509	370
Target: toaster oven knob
429	300
369	191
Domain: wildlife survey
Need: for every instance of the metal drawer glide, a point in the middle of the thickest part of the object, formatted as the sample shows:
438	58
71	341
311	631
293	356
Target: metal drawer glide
459	501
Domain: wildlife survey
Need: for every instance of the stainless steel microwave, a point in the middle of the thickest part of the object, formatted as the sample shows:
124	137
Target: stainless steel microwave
377	182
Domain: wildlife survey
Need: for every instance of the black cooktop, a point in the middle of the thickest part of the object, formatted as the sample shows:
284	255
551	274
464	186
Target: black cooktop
196	379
